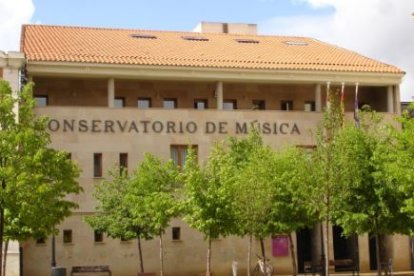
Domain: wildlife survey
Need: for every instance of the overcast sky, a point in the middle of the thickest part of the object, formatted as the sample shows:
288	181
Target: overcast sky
380	29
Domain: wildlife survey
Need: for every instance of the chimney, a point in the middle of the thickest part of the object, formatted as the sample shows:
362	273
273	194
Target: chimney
226	28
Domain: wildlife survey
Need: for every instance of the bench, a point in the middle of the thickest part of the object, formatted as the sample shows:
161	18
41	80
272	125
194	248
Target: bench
312	267
91	269
344	265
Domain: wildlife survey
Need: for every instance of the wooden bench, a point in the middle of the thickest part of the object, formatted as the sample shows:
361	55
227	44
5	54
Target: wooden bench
91	269
344	265
312	267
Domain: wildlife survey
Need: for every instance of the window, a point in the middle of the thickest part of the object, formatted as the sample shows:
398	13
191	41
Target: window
97	164
67	236
309	106
41	100
229	104
144	103
286	105
119	102
98	236
259	105
179	153
123	162
170	103
200	104
176	233
40	241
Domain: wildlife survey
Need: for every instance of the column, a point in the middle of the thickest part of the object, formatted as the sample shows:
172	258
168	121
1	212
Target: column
111	92
219	95
12	63
390	99
318	98
397	106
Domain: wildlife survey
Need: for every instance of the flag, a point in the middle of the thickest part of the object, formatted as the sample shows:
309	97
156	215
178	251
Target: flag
356	116
328	100
342	103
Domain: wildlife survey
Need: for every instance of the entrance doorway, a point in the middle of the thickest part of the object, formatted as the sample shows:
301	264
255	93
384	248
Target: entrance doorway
345	247
373	253
304	247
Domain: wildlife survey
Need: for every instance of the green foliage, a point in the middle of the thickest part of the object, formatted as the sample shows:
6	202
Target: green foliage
152	193
365	194
324	175
208	201
290	210
35	179
269	187
400	161
137	206
114	211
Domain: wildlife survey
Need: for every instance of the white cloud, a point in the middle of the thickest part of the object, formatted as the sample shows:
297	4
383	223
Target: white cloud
13	13
380	29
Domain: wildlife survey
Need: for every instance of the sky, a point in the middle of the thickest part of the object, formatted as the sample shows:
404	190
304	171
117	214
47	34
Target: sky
379	29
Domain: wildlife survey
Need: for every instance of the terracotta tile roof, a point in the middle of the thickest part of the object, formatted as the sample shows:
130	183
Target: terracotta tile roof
163	48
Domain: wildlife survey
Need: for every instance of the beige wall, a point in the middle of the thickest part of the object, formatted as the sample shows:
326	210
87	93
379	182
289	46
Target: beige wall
93	92
86	99
190	252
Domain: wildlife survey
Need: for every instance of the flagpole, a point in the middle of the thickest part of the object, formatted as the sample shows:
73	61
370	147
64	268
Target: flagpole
356	115
343	103
328	87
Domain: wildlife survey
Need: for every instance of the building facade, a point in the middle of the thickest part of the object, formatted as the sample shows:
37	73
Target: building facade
114	94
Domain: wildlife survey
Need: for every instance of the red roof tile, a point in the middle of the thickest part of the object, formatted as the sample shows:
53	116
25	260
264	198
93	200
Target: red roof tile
119	46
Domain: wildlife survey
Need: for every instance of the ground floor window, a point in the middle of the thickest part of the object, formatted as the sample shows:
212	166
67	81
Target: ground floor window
179	153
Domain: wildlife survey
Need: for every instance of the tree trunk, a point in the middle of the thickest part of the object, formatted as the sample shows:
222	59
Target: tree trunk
377	249
263	254
1	238
6	248
3	186
249	254
141	262
293	255
208	273
161	256
326	246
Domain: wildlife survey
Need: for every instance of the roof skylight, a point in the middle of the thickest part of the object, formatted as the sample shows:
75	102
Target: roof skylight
143	36
247	40
195	38
296	43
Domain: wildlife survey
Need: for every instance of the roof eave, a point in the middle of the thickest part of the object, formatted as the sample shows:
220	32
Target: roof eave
98	70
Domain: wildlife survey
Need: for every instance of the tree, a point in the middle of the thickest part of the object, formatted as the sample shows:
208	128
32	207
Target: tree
152	194
137	206
292	187
207	200
269	189
324	174
35	179
252	188
115	215
402	157
371	199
